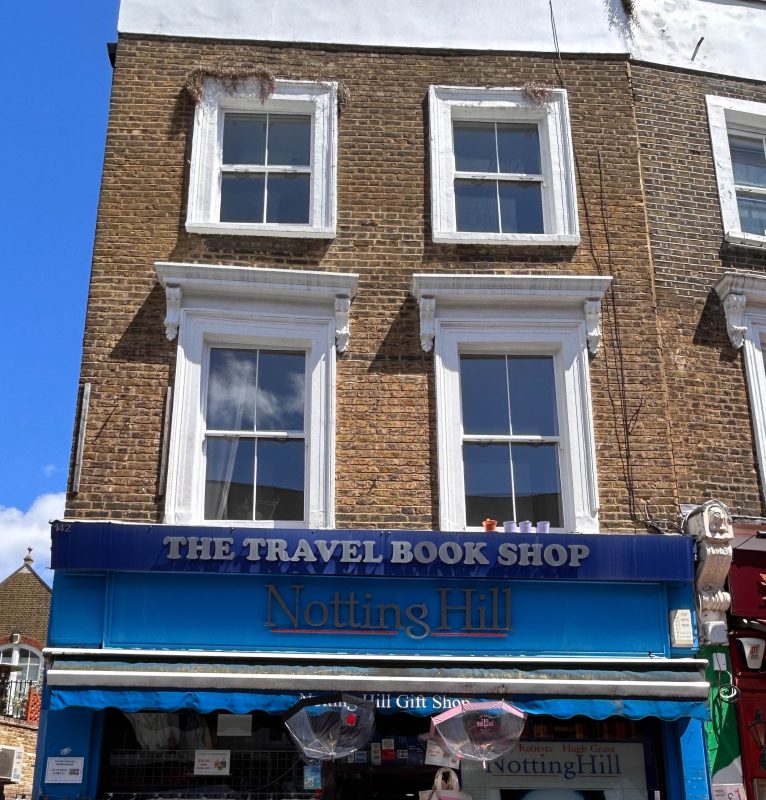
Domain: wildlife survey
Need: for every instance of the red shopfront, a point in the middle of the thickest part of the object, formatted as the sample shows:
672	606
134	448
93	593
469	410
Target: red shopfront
747	583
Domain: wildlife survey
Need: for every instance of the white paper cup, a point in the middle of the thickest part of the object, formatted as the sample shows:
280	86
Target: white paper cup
525	527
543	526
510	526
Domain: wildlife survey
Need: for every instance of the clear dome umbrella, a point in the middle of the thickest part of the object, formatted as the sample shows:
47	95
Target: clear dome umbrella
481	730
330	727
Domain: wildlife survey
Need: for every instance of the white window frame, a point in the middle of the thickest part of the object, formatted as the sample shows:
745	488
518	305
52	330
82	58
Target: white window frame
15	653
319	100
744	300
450	103
728	115
516	315
258	308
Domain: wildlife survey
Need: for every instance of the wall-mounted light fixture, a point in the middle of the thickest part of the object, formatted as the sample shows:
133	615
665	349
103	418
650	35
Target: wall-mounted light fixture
757	730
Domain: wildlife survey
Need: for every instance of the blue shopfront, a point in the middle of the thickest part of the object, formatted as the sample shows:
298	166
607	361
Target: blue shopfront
170	645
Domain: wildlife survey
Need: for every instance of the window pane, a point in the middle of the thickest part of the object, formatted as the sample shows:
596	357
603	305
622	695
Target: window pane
30	665
536	481
484	394
748	160
281	391
476	206
519	148
289	140
533	396
231	390
280	479
244	139
242	198
475	149
6	656
229	478
521	207
752	214
487	470
288	199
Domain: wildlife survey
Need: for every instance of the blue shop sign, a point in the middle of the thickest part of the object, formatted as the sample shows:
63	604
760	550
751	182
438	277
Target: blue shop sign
395	554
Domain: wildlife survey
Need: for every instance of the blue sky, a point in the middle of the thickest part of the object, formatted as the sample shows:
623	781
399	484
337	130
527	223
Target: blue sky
56	96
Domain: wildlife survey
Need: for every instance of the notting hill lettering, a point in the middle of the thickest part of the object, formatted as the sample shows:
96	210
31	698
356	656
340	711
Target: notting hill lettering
469	611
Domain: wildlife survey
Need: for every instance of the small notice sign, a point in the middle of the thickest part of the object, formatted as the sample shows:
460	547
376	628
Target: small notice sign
312	777
681	631
729	791
438	757
64	770
212	762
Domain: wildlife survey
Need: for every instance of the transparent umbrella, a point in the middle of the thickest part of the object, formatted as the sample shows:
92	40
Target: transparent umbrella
330	727
480	731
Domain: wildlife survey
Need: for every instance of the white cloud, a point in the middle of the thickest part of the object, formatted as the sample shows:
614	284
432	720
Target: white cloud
49	469
22	529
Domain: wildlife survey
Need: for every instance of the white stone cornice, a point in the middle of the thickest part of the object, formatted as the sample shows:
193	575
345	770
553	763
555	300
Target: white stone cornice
737	291
582	292
342	324
180	280
173	311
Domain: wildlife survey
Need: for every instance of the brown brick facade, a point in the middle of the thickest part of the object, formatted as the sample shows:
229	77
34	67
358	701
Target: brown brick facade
20	734
710	413
25	603
649	458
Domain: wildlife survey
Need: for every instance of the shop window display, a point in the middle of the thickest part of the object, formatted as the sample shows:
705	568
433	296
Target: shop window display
188	755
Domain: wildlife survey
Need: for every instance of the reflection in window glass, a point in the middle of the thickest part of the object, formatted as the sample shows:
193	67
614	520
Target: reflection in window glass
748	158
498	177
266	168
255	445
510	438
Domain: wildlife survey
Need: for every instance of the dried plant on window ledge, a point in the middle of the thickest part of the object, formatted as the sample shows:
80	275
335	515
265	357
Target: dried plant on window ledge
230	76
536	92
629	7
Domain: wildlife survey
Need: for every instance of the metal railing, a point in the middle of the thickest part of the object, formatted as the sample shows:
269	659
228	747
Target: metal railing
20	700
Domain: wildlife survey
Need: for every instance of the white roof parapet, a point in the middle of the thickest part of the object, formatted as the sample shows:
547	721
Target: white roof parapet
585	291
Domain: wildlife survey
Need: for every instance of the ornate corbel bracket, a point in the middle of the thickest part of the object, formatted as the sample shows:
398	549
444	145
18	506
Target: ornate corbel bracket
173	313
734	307
427	307
342	323
593	324
710	524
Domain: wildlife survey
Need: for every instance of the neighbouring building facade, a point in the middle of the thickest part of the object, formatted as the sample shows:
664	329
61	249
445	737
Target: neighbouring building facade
25	601
365	283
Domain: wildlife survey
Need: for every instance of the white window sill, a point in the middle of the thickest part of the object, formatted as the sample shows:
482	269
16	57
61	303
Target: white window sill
511	239
255	229
750	240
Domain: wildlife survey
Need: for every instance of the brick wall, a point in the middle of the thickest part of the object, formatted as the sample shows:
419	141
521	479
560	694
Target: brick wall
24	607
20	734
710	416
386	459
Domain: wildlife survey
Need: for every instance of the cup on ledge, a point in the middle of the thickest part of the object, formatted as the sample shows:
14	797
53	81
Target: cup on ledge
525	527
543	526
510	526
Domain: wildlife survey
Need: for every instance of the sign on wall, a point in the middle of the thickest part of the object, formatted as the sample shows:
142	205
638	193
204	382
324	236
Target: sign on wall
575	770
64	770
